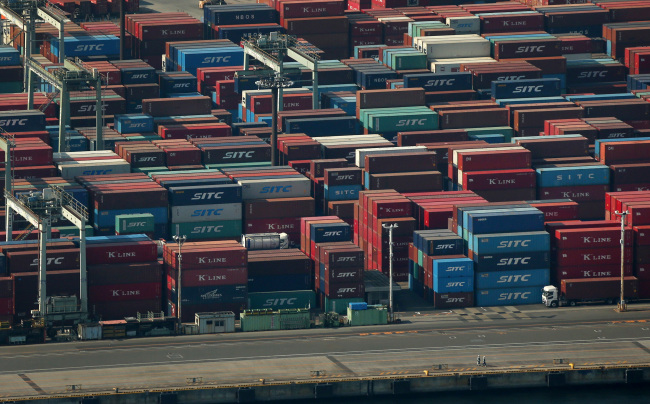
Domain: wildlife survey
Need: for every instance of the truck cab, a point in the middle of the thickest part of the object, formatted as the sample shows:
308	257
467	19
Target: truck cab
550	296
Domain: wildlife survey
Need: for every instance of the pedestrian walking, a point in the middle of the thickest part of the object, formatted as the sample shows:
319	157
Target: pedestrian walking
478	360
484	361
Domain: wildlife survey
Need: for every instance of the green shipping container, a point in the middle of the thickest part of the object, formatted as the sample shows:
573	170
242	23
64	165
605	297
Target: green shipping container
207	230
374	315
268	320
73	231
365	115
408	61
11	87
410	121
291	299
506	131
340	305
133	224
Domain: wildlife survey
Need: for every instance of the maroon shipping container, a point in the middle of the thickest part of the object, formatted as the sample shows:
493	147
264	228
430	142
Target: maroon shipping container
346	257
344	276
343	290
592	256
499	179
6	287
642	235
269	208
387	208
601	271
25	289
554	212
272	225
582	193
21	261
117	253
510	22
209	277
144	272
603	288
210	257
124	292
493	160
453	300
6	306
395	163
317	8
591	238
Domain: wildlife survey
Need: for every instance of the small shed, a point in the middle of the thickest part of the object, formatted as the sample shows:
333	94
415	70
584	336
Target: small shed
215	322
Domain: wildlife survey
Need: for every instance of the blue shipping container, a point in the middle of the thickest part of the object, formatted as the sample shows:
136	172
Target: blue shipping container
510	242
329	126
133	123
508	296
505	221
9	56
512	279
572	176
439	81
106	218
453	268
526	88
441	246
342	192
512	261
453	285
329	232
204	194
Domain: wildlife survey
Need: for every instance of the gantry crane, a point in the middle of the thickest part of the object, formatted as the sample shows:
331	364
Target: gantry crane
71	77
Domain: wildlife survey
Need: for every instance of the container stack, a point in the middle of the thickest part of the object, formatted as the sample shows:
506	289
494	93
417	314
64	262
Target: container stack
584	184
628	160
510	251
379	208
338	265
233	151
180	154
214	277
586	250
215	16
124	276
279	271
75	164
6	299
31	157
495	174
191	131
321	232
281	215
340	185
151	32
12	71
112	195
189	56
142	156
404	169
25	290
202	211
434	210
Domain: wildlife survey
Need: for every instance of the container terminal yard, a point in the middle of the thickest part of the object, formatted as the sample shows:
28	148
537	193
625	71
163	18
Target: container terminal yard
307	199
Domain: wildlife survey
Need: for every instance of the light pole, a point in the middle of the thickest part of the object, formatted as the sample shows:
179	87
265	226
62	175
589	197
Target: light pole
274	82
621	304
180	241
390	228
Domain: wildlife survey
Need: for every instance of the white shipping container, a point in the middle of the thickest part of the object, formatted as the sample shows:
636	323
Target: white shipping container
71	169
465	25
274	188
206	213
360	154
453	65
453	46
68	156
371	138
418	41
249	93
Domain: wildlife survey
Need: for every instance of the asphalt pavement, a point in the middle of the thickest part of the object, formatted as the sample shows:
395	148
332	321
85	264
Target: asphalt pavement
509	337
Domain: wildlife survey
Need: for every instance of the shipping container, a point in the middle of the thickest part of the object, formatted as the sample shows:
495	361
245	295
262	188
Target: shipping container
512	279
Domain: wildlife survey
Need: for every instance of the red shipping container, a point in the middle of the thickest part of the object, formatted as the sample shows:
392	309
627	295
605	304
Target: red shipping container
383	209
304	9
639	214
124	292
493	160
114	253
644	288
558	211
604	271
583	193
212	257
642	235
21	261
344	290
642	271
279	225
591	238
501	179
6	287
595	257
6	306
210	276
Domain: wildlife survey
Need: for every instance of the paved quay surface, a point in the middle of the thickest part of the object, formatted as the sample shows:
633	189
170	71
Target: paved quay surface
509	337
